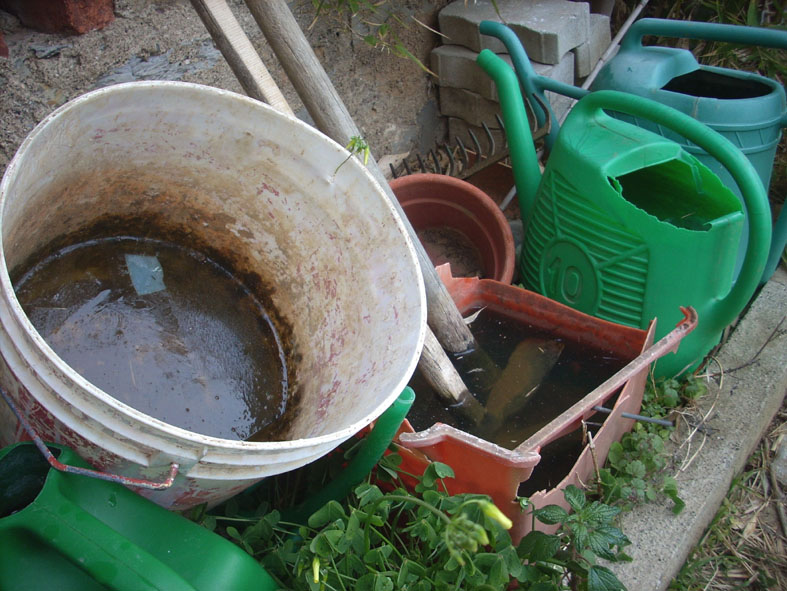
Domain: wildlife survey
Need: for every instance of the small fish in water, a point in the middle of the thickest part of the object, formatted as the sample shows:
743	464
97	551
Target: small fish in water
528	366
469	320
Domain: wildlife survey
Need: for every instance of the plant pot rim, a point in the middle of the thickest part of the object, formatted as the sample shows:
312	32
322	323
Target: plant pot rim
460	205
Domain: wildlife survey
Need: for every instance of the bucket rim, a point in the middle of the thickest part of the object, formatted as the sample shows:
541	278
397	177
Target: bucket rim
36	345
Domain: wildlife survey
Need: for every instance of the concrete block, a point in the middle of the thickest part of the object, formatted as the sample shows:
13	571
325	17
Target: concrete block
587	54
548	29
61	16
737	412
456	67
476	109
779	463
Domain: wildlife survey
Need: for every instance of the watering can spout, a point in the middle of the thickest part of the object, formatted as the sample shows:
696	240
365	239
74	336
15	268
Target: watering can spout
527	174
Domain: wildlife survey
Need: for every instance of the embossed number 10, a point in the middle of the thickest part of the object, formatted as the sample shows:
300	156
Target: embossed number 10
564	280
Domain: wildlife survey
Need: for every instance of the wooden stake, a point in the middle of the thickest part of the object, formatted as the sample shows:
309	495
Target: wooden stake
240	54
332	118
330	115
442	376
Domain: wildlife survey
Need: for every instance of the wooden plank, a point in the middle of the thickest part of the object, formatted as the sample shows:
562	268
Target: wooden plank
240	54
330	115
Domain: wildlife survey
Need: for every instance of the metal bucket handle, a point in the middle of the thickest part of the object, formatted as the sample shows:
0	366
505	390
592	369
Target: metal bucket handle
742	171
61	467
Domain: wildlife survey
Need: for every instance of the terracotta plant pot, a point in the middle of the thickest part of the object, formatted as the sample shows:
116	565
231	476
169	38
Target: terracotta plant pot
458	224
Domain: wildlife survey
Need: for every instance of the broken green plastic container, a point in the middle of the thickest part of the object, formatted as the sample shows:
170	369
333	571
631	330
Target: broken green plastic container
748	109
69	532
84	533
626	225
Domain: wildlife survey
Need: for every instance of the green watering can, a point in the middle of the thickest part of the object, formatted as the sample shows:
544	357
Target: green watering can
748	109
71	532
626	225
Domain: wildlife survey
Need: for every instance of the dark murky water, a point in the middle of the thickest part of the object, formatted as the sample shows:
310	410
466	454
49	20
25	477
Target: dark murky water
578	370
557	458
163	329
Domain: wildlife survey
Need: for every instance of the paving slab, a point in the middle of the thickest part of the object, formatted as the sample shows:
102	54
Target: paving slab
456	67
587	54
477	109
739	410
548	29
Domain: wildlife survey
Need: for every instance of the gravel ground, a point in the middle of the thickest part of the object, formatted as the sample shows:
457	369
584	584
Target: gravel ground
390	98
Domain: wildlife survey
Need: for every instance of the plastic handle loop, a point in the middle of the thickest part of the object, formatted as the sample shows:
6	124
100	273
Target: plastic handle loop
527	174
533	83
61	467
96	548
706	31
728	155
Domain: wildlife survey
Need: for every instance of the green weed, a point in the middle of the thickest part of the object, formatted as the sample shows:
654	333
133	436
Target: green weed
357	146
425	540
385	537
636	465
379	23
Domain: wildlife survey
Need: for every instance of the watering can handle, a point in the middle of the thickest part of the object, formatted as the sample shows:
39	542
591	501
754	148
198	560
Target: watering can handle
92	545
706	31
729	156
533	83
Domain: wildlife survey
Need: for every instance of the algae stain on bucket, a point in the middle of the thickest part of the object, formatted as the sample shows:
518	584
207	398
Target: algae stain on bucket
164	329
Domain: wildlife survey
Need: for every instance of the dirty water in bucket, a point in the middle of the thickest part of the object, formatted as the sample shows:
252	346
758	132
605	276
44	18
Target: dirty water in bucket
162	328
550	376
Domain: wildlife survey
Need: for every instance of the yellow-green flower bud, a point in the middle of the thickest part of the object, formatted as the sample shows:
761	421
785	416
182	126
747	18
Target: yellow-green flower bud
482	537
490	510
316	569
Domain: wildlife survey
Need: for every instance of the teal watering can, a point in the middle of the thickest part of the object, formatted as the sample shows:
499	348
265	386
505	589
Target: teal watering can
747	109
626	225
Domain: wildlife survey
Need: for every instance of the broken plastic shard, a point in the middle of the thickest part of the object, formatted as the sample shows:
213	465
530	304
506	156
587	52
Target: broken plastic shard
146	273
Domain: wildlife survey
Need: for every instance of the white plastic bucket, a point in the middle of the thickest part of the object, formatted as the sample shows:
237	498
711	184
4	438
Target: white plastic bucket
261	185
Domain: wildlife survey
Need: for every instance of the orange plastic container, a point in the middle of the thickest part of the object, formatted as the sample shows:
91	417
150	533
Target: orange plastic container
483	467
